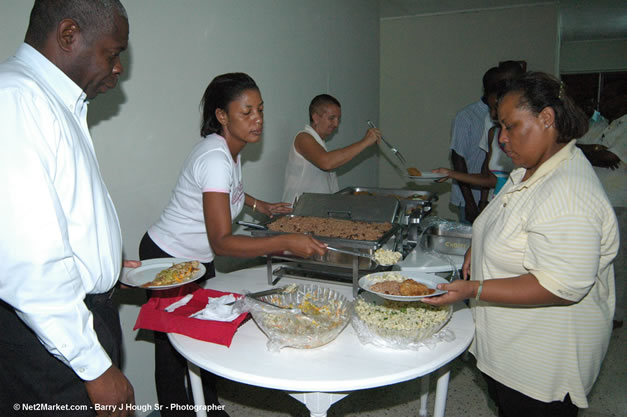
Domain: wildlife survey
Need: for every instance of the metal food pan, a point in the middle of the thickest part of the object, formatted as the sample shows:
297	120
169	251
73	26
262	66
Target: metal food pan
408	199
451	241
334	258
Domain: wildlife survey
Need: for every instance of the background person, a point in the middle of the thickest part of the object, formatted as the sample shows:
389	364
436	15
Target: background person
541	261
606	149
208	196
61	245
496	165
310	165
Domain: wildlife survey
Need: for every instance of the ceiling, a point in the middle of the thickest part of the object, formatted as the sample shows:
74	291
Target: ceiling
580	19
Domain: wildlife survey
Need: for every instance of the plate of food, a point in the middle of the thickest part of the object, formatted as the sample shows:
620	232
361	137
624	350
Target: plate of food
402	285
164	273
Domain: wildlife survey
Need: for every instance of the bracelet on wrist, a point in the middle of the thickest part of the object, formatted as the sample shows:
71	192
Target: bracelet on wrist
255	205
479	290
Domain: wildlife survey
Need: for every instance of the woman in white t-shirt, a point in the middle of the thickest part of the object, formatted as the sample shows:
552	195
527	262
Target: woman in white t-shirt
208	195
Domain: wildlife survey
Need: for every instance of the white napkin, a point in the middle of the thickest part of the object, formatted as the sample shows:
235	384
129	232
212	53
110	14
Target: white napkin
217	309
179	303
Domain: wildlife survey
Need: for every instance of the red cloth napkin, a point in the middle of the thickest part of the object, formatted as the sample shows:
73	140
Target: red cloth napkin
153	316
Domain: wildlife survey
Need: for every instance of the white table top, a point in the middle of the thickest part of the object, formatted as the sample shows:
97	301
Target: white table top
419	260
342	365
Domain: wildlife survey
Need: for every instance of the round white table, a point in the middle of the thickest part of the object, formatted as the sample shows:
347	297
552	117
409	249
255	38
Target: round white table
322	376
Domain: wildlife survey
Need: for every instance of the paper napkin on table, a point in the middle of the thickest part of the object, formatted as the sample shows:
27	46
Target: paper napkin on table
219	309
179	303
152	315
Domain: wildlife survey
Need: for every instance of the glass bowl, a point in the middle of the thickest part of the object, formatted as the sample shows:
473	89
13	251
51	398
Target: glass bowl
397	324
313	317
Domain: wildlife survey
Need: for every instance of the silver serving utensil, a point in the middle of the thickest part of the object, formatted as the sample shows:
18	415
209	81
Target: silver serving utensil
389	145
348	252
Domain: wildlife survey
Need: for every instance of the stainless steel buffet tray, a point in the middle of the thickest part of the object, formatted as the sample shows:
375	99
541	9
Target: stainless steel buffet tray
445	239
331	258
409	200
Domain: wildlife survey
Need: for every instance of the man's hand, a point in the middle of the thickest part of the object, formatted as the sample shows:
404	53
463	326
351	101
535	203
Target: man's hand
113	392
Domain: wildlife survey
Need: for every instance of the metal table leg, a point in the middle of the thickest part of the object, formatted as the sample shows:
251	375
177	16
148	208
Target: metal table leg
197	392
441	392
318	403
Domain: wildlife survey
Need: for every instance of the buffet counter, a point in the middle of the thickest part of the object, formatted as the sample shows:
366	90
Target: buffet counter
322	376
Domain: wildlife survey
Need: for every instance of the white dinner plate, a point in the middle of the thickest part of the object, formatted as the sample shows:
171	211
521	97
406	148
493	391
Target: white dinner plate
429	280
427	176
150	267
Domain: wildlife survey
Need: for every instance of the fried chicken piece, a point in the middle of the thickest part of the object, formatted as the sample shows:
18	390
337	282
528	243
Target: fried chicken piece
387	287
409	287
414	172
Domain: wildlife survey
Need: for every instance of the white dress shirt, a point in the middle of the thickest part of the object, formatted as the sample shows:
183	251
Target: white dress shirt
60	236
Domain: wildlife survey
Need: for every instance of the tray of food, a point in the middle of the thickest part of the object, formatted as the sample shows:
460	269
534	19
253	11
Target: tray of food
305	317
354	236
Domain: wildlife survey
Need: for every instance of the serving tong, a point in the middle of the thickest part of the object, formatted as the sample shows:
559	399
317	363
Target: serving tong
389	145
360	254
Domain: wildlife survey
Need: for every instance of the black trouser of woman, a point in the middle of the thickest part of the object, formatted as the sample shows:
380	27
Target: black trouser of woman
171	373
31	376
512	403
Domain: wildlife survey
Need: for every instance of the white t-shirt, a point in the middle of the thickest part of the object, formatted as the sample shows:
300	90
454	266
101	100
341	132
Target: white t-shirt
614	137
301	176
500	164
181	231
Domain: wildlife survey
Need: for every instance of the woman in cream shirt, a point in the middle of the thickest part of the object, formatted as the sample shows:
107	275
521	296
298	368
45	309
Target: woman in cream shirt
540	266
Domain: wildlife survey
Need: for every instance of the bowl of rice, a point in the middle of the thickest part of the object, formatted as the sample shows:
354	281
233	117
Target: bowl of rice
397	323
313	316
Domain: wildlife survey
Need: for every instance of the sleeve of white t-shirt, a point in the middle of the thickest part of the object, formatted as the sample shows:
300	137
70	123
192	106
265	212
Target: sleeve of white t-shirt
212	170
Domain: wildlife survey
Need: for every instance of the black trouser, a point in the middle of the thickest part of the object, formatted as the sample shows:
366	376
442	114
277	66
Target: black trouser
512	403
30	375
171	374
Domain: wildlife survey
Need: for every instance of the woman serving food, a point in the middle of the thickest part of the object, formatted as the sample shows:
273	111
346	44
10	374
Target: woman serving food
540	265
209	194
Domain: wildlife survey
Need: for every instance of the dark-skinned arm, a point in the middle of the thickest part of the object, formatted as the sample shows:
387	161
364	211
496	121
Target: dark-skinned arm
217	212
113	390
523	290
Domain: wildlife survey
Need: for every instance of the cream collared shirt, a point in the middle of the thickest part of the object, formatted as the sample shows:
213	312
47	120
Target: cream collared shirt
559	226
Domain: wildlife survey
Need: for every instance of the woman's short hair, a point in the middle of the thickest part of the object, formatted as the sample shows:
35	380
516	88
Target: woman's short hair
221	91
539	90
93	17
320	101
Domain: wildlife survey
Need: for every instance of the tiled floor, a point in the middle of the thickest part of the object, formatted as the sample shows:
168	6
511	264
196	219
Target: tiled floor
467	396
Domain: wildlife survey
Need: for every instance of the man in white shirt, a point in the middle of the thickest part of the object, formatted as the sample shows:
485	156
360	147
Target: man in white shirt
61	245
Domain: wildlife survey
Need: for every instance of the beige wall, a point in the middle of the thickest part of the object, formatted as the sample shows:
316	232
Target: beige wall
592	56
431	67
144	129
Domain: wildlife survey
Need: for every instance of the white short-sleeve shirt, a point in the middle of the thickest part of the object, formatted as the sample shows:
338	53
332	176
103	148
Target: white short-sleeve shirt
180	230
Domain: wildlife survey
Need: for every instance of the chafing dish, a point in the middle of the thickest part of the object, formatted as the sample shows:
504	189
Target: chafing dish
366	208
412	202
444	238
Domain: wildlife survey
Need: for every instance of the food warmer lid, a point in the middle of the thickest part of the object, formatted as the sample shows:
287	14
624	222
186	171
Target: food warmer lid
365	208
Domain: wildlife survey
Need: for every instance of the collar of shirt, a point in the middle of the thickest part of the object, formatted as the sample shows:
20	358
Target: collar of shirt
55	79
567	152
